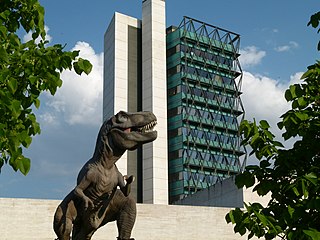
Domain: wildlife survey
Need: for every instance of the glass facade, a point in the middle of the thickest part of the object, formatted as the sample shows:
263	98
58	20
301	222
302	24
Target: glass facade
204	107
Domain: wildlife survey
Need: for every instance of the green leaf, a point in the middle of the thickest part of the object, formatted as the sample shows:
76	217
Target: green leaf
252	167
288	95
302	102
304	189
314	204
25	139
302	116
296	192
278	144
314	20
292	89
255	138
59	83
245	179
290	210
1	163
23	164
87	66
295	104
251	234
306	74
228	218
3	31
262	218
313	233
36	102
280	125
240	229
234	216
33	79
312	177
264	124
13	85
268	134
81	66
265	164
77	68
293	120
40	24
16	108
3	54
290	235
263	188
14	40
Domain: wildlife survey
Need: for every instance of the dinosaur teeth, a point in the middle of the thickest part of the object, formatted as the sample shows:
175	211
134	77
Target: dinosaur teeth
147	128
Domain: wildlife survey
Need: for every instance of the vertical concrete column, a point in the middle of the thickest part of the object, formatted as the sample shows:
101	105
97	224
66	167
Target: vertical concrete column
109	70
116	58
155	163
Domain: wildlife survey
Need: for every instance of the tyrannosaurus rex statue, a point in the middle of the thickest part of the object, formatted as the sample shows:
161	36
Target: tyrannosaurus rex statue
96	200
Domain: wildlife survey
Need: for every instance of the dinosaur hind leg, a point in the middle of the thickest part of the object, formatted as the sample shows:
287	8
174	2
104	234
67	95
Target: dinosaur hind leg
126	219
63	229
63	218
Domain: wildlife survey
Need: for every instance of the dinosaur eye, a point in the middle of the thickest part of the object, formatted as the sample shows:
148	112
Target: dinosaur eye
122	117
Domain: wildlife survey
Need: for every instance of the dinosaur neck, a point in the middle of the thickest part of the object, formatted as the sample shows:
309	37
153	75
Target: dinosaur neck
105	153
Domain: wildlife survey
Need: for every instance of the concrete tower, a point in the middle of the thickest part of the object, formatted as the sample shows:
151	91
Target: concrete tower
122	73
155	164
135	80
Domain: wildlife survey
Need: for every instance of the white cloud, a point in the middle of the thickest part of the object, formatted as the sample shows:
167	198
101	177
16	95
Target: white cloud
288	47
295	78
251	56
79	100
27	37
48	118
263	98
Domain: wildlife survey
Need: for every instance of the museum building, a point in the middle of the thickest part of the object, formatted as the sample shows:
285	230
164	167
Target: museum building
189	76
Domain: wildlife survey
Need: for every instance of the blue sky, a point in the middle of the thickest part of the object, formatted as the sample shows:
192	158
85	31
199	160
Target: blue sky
276	47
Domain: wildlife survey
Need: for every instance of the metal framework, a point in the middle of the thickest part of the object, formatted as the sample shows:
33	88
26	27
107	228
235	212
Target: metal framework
204	106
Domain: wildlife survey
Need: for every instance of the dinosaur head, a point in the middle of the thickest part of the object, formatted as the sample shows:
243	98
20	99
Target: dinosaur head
127	131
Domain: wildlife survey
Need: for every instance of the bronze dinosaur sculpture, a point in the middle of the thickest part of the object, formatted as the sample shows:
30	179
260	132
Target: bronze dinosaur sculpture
96	200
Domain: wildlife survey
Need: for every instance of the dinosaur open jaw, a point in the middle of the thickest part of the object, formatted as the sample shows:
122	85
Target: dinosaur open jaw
144	129
147	128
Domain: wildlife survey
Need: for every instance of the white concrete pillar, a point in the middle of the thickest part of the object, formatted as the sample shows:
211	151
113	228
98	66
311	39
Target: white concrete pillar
155	154
115	92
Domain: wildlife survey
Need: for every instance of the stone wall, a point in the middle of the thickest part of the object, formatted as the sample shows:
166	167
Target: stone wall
31	219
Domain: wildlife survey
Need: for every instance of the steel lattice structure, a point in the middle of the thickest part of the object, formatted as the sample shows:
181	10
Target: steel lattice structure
204	106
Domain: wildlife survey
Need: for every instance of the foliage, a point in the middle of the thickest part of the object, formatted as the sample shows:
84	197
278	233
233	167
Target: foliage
314	22
291	176
26	70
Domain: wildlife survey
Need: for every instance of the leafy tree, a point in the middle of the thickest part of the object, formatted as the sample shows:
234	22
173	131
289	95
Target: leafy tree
26	70
291	176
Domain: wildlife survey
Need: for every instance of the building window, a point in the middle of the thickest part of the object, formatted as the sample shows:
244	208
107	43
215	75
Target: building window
173	70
